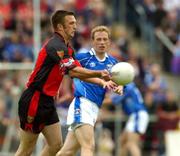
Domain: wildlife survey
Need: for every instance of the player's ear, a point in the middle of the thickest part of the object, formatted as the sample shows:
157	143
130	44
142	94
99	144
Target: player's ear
60	27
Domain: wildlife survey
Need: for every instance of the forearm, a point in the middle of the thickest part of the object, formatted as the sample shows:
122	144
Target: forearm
97	81
83	73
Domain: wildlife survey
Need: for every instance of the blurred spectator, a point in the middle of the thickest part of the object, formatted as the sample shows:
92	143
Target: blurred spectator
105	144
150	145
133	17
2	117
5	14
159	14
143	66
82	40
168	113
120	37
2	111
170	27
156	84
16	50
99	14
175	62
7	112
25	11
168	119
171	5
148	27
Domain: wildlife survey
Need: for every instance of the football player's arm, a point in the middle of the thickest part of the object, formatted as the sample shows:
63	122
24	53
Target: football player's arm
105	84
66	89
82	73
74	68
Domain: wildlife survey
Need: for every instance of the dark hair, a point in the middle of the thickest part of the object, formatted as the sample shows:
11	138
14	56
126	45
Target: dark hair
58	17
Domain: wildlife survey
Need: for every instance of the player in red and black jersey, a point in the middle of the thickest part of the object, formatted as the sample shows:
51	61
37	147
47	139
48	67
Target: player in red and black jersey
36	109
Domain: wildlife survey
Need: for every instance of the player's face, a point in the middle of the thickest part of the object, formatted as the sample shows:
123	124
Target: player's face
69	26
101	42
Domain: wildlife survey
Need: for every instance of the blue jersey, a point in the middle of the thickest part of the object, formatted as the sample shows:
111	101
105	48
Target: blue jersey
131	100
93	92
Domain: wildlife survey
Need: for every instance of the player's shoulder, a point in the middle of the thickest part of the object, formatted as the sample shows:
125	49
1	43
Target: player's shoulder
83	55
113	59
56	43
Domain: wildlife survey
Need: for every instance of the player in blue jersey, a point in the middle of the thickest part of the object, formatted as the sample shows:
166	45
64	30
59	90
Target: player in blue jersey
133	106
83	110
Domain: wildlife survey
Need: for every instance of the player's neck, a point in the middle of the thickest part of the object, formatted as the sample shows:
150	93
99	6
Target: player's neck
64	36
65	39
101	56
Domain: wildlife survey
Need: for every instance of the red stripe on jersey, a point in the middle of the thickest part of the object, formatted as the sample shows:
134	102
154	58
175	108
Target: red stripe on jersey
53	81
39	62
34	104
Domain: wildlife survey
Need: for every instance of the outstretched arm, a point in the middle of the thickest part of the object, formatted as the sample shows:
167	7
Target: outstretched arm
83	73
105	84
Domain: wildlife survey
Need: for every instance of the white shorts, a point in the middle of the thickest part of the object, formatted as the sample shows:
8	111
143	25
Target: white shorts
137	122
81	111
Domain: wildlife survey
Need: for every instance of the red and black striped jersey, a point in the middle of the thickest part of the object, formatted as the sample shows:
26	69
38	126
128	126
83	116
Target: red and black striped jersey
54	60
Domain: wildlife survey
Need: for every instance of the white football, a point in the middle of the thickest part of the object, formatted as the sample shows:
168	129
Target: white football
122	73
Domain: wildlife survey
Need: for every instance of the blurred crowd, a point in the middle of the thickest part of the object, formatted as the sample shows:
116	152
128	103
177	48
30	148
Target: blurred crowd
16	45
153	16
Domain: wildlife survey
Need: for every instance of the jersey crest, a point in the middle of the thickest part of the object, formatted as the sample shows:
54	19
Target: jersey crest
60	54
92	64
109	66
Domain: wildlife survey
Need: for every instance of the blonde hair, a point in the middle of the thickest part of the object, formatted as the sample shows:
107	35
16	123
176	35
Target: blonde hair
100	29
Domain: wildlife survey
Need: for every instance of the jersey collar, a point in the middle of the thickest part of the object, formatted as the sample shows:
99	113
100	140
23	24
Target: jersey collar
93	52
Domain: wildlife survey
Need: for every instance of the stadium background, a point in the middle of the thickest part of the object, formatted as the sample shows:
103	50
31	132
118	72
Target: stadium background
144	32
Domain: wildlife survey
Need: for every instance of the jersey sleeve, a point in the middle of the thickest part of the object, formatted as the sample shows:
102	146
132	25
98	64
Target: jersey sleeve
70	63
68	60
56	52
52	52
62	55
